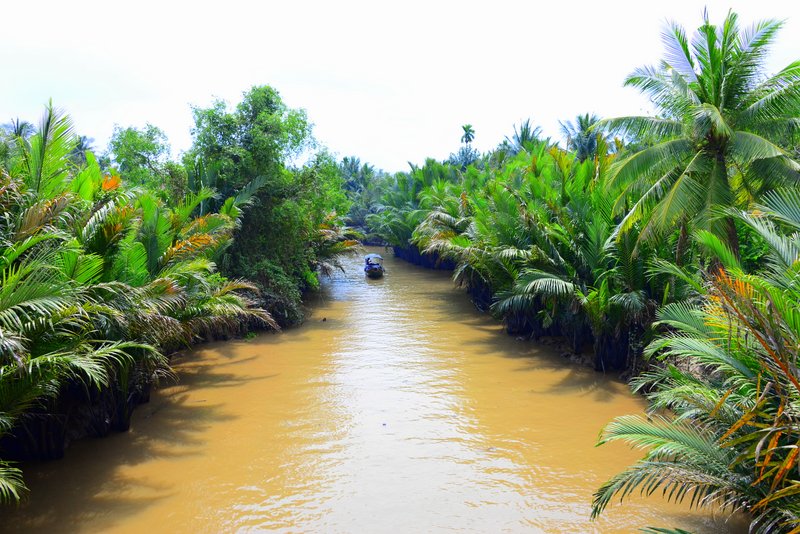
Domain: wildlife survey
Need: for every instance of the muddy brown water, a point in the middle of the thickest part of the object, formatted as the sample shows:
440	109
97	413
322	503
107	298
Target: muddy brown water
397	407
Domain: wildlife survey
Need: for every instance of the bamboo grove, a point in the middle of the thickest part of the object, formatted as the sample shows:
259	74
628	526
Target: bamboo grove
103	274
668	243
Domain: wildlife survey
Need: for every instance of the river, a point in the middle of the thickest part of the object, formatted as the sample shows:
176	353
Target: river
397	407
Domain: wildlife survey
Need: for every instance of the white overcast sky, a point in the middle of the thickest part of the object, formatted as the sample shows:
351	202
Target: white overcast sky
389	82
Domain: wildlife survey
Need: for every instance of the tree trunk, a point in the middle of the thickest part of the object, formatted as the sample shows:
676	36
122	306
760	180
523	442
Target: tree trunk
733	236
683	241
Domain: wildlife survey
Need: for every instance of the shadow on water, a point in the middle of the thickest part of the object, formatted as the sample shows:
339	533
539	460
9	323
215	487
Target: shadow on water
579	382
95	483
201	375
575	379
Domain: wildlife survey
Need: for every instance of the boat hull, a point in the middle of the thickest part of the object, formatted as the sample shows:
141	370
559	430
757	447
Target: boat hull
374	273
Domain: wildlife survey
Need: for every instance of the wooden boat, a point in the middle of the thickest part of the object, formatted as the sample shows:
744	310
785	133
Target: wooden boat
373	265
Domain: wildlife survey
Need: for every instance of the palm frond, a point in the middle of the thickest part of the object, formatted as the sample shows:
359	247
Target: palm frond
12	487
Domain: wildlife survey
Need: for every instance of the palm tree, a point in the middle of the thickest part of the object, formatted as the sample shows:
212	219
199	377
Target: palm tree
12	134
19	128
364	186
465	157
581	137
724	425
469	134
356	176
399	213
44	159
716	138
577	277
83	144
482	228
350	167
523	139
96	281
332	242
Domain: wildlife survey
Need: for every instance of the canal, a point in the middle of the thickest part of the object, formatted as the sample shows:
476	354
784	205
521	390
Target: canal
397	407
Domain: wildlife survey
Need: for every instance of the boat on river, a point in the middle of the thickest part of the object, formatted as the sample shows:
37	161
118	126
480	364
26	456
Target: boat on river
373	265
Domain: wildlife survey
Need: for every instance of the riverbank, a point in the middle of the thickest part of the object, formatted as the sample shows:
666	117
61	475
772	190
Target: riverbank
577	350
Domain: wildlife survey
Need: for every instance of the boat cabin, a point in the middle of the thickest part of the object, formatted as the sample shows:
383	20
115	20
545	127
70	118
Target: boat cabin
373	265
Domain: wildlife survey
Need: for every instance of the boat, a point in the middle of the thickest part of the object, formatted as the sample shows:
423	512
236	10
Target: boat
373	265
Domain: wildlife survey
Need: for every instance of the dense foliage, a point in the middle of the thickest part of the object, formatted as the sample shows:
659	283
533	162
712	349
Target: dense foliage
670	245
724	426
282	240
106	270
97	281
671	239
534	239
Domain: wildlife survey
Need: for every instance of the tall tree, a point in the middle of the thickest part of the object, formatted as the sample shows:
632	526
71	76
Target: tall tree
356	176
14	136
19	128
469	134
523	139
581	136
140	154
466	155
252	140
717	134
250	148
83	144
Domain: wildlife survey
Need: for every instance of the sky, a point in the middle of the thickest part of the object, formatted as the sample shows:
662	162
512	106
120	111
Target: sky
388	82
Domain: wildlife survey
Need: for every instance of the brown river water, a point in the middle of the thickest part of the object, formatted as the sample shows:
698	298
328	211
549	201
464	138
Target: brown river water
397	407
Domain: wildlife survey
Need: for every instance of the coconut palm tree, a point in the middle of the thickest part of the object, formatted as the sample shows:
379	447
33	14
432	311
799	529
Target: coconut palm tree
469	134
83	144
581	136
523	139
18	128
716	136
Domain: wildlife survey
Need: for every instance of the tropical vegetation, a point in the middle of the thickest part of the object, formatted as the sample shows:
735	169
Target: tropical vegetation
723	426
664	248
107	265
667	243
